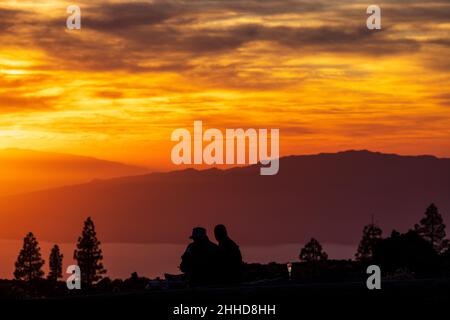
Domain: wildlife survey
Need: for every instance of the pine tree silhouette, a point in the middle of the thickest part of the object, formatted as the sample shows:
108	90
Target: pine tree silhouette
29	262
313	252
55	264
371	236
432	229
89	255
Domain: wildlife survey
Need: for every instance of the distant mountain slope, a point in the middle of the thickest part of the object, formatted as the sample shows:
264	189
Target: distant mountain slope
25	170
328	196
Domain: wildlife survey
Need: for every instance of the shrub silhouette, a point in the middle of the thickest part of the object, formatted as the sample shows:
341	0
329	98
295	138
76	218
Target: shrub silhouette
405	251
313	252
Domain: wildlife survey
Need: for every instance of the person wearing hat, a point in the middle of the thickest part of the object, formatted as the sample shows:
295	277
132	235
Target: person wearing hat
200	260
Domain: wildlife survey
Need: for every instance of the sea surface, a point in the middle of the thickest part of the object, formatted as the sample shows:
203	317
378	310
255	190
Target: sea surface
153	260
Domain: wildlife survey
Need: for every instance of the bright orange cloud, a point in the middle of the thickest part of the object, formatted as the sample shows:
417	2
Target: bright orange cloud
136	71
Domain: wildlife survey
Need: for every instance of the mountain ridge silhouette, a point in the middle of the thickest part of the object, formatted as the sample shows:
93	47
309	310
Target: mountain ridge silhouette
24	170
329	196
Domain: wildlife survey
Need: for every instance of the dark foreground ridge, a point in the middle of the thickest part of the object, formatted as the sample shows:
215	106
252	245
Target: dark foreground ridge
291	300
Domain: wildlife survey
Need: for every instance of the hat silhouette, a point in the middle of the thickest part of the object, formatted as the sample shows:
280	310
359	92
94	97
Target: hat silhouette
198	233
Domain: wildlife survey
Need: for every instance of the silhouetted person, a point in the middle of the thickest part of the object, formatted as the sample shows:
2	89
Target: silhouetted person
230	257
200	260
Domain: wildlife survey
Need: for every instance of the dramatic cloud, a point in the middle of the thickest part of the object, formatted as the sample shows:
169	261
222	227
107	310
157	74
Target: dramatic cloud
137	69
7	18
127	35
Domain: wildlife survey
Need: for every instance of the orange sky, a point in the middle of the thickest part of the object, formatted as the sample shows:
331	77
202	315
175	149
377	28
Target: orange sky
136	71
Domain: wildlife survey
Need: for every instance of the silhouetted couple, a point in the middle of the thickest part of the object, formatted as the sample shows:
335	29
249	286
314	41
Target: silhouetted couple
205	263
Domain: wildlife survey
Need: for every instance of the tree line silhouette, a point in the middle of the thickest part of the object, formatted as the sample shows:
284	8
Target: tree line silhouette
431	229
88	256
421	249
